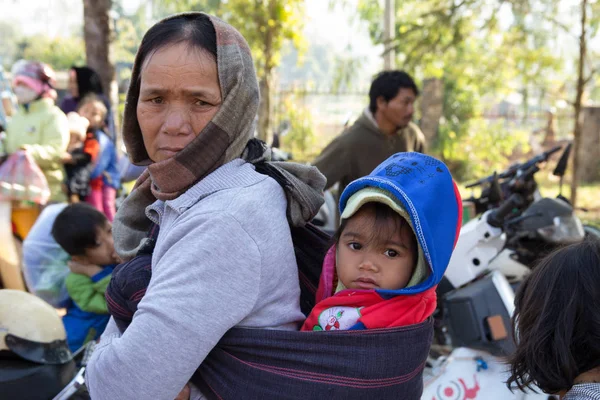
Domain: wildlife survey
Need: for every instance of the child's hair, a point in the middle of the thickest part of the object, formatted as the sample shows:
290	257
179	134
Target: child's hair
386	223
93	98
557	320
76	228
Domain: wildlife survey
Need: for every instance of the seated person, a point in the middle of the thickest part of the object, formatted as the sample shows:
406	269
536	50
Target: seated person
86	235
379	274
79	160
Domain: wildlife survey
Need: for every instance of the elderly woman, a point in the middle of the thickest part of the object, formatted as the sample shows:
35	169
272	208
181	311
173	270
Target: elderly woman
224	255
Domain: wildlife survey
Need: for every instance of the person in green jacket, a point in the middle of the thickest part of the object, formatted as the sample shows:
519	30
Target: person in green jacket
383	129
86	235
38	126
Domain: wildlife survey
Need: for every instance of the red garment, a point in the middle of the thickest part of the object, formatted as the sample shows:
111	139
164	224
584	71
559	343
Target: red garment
91	146
97	183
348	307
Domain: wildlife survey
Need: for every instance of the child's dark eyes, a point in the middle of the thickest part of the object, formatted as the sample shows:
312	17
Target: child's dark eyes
391	253
355	246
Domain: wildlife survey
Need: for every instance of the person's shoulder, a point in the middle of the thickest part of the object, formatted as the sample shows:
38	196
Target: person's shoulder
259	197
55	110
415	131
355	130
244	191
56	114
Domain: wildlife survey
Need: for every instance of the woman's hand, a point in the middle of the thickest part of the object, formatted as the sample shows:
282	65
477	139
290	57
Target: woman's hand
184	394
84	269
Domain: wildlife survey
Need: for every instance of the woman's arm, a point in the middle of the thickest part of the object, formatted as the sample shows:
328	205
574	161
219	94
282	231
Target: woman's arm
205	283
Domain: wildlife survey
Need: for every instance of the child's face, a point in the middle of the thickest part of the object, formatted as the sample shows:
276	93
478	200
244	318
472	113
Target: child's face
104	251
368	260
94	112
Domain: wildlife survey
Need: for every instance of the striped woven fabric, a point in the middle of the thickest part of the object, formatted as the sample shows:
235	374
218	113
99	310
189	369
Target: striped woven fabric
273	364
584	391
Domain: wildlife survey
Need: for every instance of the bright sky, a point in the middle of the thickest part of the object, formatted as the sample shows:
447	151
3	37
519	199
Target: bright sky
62	17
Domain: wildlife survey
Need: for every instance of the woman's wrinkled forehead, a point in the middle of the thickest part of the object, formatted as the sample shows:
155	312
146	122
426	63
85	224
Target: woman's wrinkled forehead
189	52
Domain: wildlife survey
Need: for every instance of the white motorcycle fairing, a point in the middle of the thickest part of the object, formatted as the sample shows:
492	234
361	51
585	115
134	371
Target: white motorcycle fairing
478	244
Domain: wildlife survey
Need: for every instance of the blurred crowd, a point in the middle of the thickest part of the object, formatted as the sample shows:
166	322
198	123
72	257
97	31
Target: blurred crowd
72	140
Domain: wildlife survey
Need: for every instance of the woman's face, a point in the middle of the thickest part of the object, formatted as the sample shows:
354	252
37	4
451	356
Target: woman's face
73	88
179	95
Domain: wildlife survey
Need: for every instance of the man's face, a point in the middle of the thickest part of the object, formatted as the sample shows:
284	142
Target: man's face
399	110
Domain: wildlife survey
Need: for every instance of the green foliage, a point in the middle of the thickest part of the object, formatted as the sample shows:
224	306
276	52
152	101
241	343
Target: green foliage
300	139
472	154
477	54
8	45
266	24
61	52
128	35
345	68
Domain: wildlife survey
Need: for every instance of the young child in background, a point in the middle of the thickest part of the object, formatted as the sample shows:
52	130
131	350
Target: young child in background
105	178
557	325
79	160
398	230
86	235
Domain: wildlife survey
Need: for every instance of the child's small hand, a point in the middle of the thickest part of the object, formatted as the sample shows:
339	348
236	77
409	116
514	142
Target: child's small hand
67	158
184	394
84	269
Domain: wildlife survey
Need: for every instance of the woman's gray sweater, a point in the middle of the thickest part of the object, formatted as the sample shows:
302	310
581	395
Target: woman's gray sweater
223	258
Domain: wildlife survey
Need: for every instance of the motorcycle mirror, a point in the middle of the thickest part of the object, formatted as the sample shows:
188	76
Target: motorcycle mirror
561	166
495	195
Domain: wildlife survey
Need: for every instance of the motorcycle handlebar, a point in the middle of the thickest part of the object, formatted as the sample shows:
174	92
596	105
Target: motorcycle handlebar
496	218
511	171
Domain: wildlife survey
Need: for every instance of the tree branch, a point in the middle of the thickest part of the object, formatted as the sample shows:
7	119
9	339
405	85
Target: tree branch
590	76
559	24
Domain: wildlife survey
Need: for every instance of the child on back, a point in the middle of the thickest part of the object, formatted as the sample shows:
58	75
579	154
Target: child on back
86	235
398	229
557	325
79	160
105	177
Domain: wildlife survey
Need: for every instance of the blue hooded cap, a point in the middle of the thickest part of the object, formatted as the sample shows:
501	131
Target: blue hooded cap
424	187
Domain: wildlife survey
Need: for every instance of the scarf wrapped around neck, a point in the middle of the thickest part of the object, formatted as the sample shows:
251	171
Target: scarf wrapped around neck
229	135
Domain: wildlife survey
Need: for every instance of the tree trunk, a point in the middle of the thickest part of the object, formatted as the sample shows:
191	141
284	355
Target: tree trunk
525	103
589	158
98	35
264	109
578	100
432	109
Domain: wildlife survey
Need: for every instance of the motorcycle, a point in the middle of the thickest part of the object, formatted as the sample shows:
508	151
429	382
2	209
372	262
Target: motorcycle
514	227
517	226
496	250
